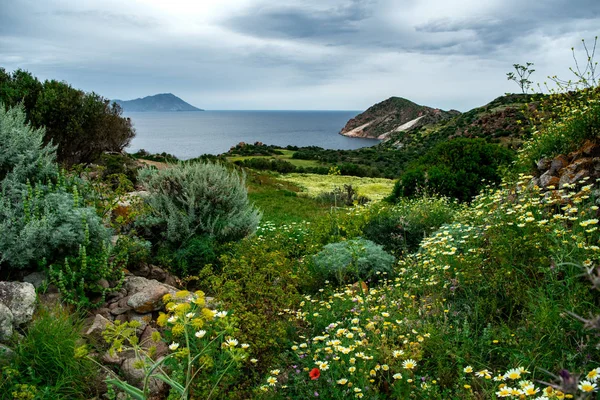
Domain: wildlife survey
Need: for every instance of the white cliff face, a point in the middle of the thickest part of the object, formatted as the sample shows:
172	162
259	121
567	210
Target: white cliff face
404	127
358	131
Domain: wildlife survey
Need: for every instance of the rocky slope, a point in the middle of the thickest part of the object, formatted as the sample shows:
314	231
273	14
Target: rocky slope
393	115
158	102
497	121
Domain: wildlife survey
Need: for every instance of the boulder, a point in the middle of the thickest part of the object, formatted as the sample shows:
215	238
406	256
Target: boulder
557	164
146	342
548	179
543	164
143	319
135	376
146	294
37	279
571	178
6	323
20	298
95	330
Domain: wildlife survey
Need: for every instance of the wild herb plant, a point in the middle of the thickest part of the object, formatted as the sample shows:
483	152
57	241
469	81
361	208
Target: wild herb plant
205	357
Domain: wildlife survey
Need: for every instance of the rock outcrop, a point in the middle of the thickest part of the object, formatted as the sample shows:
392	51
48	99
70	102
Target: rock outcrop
17	304
566	170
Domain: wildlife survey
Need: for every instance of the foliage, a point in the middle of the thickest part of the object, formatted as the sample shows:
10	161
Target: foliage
162	157
257	281
458	168
198	199
586	77
523	72
82	125
41	212
575	117
86	280
401	227
50	362
205	358
342	197
353	260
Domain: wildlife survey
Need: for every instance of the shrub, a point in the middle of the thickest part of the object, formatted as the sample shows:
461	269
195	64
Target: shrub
83	125
79	280
457	168
401	227
352	260
50	362
41	213
198	199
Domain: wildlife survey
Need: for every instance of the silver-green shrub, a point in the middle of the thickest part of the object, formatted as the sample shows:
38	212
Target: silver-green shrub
195	199
351	260
41	215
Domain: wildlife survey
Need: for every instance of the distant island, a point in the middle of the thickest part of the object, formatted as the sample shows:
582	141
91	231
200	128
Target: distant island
158	102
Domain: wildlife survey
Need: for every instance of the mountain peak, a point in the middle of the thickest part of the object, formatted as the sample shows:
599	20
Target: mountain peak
157	102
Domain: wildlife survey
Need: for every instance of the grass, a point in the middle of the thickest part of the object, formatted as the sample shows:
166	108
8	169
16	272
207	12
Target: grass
313	185
279	200
50	364
286	156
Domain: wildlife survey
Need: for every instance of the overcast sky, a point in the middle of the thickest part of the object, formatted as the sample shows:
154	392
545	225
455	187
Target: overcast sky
283	54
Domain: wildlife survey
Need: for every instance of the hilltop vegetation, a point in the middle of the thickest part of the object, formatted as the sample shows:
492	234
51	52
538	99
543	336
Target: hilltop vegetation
296	286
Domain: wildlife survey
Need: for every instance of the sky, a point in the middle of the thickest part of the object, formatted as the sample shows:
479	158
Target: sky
296	55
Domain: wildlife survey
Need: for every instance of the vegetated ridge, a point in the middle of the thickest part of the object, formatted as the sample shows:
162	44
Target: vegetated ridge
158	102
395	114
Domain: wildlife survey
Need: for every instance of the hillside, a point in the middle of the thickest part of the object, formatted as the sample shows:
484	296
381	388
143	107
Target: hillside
395	114
158	102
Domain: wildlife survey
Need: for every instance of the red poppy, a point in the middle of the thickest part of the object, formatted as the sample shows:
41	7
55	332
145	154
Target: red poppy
314	373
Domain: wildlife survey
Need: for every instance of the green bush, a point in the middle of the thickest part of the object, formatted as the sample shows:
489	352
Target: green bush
82	125
188	200
458	168
352	260
50	362
401	227
41	212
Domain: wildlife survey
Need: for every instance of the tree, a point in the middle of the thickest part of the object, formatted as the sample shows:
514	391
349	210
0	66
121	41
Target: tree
523	72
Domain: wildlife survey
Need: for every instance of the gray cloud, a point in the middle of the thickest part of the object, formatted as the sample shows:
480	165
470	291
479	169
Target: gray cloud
329	54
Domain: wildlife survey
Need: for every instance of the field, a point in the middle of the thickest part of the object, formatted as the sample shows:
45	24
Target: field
286	156
312	185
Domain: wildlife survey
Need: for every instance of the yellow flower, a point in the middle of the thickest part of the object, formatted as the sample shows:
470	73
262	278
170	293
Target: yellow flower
342	381
182	294
162	319
271	381
468	369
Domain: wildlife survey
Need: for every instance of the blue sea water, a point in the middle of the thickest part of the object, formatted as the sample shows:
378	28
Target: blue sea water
191	134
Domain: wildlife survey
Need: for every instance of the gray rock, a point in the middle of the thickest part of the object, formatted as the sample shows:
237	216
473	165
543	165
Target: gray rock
136	376
547	179
143	319
20	298
6	323
119	310
148	300
558	163
157	273
95	330
37	279
543	164
6	355
146	342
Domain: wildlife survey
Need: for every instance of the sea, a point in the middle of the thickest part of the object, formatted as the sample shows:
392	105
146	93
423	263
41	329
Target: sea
191	134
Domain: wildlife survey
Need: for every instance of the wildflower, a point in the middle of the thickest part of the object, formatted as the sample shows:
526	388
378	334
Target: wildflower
342	381
397	376
409	364
593	374
314	374
275	372
468	369
200	334
483	374
172	319
245	345
253	360
529	390
351	369
397	353
514	373
173	346
587	386
271	380
231	342
221	314
467	386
